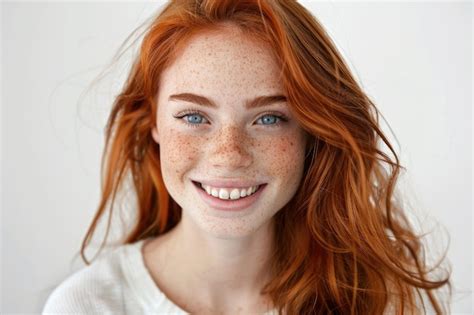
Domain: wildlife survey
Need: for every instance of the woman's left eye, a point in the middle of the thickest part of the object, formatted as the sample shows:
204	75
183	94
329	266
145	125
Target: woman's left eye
271	119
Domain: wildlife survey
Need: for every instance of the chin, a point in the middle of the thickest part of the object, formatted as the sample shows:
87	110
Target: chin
230	228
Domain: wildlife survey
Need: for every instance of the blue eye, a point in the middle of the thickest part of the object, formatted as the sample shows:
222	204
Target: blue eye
194	118
269	119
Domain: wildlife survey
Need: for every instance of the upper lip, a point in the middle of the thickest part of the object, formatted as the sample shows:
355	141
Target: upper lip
228	183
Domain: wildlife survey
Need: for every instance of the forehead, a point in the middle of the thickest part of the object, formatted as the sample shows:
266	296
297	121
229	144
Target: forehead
223	62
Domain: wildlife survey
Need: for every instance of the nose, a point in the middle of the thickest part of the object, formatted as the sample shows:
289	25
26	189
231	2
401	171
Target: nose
230	149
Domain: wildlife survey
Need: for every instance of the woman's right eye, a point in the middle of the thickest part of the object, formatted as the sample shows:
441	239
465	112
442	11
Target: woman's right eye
193	119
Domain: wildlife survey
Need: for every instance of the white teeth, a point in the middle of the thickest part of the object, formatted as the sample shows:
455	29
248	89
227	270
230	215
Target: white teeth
223	194
229	193
235	194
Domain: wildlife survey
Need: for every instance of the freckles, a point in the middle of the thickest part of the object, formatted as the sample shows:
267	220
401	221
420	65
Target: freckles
280	145
180	147
282	151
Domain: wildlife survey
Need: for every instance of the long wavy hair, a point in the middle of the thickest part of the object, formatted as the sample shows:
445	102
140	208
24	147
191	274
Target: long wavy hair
344	242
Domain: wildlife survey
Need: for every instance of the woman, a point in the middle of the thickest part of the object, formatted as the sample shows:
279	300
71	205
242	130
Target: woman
260	186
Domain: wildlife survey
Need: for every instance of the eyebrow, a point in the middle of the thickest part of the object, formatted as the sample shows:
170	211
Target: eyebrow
259	101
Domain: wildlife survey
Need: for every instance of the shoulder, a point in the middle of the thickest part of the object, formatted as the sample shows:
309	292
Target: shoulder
96	288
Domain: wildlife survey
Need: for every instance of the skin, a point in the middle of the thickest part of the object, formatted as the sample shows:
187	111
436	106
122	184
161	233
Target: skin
214	261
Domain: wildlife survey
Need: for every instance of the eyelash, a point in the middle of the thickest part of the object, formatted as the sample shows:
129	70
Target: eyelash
280	117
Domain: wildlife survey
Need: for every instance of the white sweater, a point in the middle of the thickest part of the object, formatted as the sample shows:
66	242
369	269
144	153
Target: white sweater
116	283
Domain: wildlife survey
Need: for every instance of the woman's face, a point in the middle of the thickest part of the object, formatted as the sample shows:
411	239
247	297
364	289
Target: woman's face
231	142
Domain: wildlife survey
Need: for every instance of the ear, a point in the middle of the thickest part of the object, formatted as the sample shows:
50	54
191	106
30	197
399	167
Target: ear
155	135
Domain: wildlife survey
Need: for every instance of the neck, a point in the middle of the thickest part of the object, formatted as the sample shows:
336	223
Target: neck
221	272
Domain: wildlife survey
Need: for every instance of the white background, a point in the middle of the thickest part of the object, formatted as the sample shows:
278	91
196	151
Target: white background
414	59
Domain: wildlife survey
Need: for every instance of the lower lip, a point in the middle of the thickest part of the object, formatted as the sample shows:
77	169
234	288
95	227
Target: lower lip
229	204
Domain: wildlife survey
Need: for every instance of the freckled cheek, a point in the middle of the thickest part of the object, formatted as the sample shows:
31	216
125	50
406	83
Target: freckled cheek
179	152
284	156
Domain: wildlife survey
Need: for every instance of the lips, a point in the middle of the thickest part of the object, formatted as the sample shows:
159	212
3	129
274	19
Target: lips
229	204
200	185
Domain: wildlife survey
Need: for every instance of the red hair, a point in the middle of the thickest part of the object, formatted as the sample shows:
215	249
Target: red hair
344	244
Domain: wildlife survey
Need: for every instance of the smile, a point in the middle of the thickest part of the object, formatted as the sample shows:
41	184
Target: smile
229	193
229	198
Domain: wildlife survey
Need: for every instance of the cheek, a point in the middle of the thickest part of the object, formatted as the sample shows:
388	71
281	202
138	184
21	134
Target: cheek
284	156
178	152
